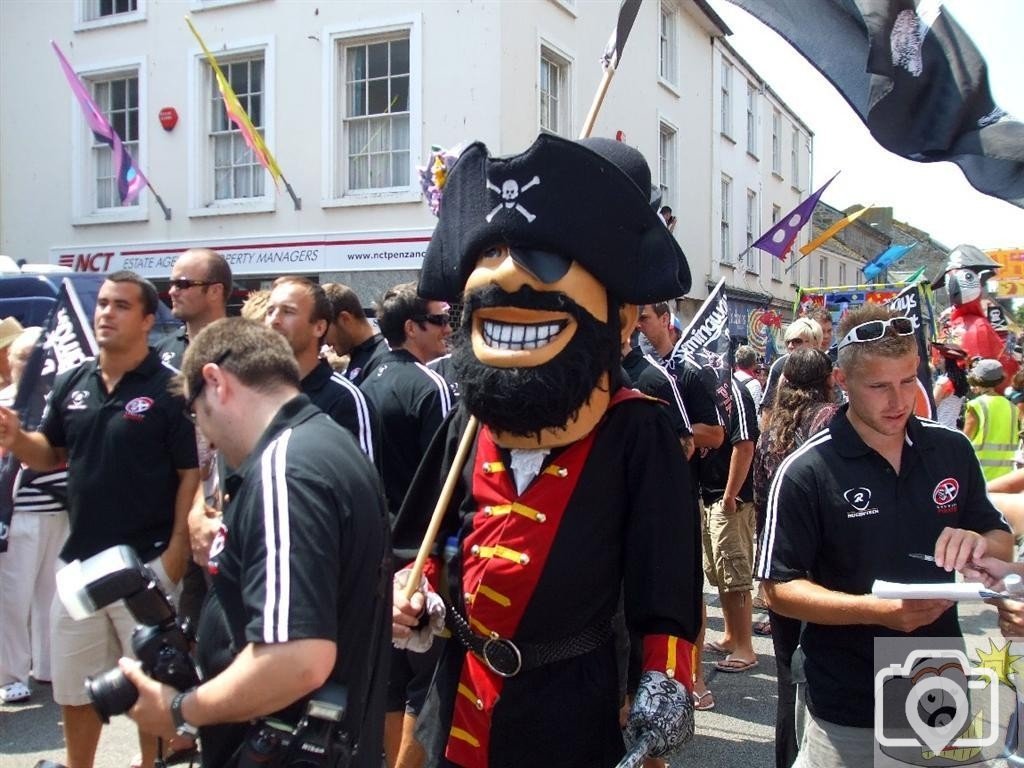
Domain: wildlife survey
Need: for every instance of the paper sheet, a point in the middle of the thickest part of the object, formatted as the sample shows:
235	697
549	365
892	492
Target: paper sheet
949	591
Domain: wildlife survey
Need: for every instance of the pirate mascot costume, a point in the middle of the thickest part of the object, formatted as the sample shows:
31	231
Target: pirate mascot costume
575	491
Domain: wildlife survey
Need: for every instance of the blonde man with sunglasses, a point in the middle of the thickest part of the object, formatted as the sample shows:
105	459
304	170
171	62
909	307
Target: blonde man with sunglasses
851	506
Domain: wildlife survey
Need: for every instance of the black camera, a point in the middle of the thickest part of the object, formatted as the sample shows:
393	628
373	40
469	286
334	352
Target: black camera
318	741
159	643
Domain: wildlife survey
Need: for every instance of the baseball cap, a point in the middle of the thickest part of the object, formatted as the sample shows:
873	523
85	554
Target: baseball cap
987	372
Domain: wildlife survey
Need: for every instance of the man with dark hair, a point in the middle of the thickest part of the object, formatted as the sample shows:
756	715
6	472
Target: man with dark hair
300	567
849	507
350	333
132	476
412	401
300	311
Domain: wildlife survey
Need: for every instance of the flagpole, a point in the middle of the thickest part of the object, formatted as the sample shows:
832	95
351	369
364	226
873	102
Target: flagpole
296	201
160	201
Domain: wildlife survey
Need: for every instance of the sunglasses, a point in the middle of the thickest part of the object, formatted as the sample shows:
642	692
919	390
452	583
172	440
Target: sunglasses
873	330
441	319
190	411
183	283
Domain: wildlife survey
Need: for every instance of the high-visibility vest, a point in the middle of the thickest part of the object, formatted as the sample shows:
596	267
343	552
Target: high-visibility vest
995	441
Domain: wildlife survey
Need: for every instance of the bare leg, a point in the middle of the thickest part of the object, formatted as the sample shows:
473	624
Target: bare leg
147	744
411	753
392	737
738	613
82	728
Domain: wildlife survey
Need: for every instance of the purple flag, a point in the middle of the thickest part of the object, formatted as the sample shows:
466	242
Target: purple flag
130	180
779	239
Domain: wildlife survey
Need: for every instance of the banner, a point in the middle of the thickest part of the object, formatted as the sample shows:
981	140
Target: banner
705	343
909	302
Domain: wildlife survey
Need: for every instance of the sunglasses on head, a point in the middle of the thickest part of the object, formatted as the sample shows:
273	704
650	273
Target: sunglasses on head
442	319
873	330
190	411
183	283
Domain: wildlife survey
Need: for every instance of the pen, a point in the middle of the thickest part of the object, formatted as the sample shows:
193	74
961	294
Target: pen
922	556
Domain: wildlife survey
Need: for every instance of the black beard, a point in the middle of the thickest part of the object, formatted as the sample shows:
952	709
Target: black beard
526	400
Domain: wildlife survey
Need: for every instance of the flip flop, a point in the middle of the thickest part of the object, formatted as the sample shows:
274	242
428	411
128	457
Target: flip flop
703	701
735	665
713	646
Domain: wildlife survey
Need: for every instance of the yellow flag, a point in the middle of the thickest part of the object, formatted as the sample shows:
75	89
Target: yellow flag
835	229
237	114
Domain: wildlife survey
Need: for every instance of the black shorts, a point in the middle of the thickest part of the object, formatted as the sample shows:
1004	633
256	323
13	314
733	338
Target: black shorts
410	677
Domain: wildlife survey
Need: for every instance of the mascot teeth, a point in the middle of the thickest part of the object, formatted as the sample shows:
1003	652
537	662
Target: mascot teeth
508	336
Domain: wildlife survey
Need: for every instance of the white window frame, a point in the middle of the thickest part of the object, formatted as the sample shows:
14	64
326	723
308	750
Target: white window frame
842	272
569	6
83	23
203	5
794	159
83	171
752	148
668	47
753	254
725	231
566	61
777	142
823	271
668	166
776	263
725	94
201	200
333	191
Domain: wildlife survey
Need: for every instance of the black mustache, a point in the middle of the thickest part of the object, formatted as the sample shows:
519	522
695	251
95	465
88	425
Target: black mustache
526	297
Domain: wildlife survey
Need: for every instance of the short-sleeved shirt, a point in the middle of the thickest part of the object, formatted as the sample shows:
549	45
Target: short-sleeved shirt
342	400
172	348
124	448
714	467
839	515
303	553
364	358
647	375
752	385
412	401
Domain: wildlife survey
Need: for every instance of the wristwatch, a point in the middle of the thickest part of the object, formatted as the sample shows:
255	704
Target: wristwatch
180	726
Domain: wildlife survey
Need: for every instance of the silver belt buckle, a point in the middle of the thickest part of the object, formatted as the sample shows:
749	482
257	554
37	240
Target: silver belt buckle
500	642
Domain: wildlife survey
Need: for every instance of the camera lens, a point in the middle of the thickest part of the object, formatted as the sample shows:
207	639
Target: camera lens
111	693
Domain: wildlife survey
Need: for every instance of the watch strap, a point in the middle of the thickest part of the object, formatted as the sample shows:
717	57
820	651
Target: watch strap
181	727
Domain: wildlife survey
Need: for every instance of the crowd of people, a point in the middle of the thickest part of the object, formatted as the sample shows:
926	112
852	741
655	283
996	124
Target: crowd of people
277	471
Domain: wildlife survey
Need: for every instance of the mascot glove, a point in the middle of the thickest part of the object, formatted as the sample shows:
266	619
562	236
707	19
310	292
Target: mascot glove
422	637
661	715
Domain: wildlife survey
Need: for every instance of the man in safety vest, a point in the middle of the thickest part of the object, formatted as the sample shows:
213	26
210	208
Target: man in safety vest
991	419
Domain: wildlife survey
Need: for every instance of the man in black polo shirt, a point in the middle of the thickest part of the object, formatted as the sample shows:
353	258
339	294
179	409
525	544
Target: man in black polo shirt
300	568
350	333
849	507
299	310
132	475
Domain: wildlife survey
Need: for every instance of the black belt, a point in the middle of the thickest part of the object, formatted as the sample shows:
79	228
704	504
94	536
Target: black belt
508	659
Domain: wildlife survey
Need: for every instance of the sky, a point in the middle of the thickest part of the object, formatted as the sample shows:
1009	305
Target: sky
934	197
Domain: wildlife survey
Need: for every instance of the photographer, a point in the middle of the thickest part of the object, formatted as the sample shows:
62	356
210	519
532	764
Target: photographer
299	568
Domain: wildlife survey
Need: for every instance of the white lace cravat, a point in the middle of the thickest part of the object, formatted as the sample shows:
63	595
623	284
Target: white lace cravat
526	464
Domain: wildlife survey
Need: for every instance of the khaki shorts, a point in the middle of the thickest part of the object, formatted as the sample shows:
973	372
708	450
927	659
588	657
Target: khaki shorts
729	546
90	647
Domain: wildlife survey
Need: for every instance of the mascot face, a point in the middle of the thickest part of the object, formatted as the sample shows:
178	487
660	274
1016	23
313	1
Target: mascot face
963	286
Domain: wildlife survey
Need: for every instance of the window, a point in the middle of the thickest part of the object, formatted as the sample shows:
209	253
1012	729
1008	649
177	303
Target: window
375	126
90	14
776	263
823	271
667	164
752	253
726	95
118	100
776	142
237	174
842	273
726	256
667	57
794	159
554	93
97	9
752	119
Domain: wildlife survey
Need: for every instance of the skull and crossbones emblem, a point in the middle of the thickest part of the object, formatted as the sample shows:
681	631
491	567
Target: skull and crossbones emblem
509	192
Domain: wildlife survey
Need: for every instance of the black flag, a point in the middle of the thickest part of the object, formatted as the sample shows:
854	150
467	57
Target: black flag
916	79
613	51
705	342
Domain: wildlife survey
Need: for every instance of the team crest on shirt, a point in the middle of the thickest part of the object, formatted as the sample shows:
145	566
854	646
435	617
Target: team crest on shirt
945	494
860	501
166	357
78	400
135	408
216	547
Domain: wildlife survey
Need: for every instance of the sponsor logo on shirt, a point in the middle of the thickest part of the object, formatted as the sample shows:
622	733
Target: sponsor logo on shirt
216	547
353	373
945	495
166	357
136	408
860	501
78	400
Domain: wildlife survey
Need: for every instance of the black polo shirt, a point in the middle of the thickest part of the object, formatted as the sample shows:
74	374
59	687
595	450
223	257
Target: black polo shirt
124	451
646	375
771	386
172	348
840	516
412	401
303	553
340	399
363	359
443	365
714	467
697	397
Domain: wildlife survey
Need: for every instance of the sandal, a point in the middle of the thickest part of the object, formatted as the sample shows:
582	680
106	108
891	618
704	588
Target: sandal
735	665
713	646
13	692
703	701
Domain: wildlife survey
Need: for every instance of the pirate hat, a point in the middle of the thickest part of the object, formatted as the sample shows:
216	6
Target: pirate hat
587	201
966	257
